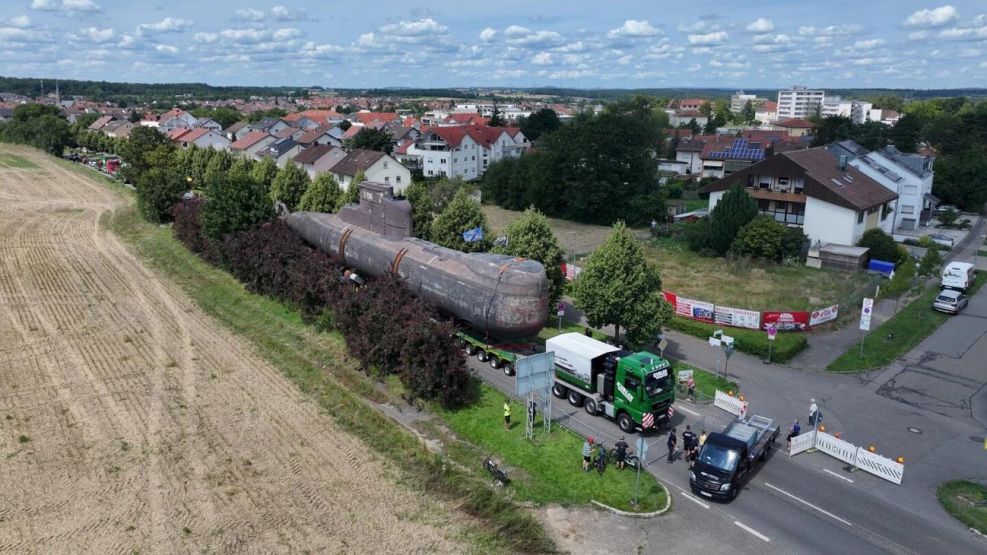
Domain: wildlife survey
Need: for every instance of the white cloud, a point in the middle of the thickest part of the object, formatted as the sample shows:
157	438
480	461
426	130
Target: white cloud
65	5
208	38
46	5
709	39
167	25
98	35
250	14
983	65
542	59
773	43
244	35
965	33
936	17
634	28
761	25
487	34
698	27
287	34
166	49
418	28
21	22
918	35
831	30
281	13
868	44
524	37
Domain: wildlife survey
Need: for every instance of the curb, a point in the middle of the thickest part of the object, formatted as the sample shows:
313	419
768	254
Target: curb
974	530
659	512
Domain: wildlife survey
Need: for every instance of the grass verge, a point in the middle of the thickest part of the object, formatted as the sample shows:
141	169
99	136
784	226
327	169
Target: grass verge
959	498
753	342
898	334
706	382
317	364
547	468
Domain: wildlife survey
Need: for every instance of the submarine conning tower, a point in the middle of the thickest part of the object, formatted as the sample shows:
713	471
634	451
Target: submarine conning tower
379	212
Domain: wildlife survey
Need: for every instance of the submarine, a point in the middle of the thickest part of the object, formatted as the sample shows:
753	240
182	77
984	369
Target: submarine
498	295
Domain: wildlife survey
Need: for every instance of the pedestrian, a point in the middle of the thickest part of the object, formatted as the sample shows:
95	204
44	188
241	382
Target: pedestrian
691	384
796	429
587	449
587	332
601	458
621	451
813	412
507	414
672	442
654	227
689	444
702	438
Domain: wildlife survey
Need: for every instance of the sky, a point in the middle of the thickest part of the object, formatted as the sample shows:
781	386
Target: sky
565	43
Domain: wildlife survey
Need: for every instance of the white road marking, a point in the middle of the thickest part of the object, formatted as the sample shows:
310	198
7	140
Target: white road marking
804	502
694	500
828	471
751	530
692	412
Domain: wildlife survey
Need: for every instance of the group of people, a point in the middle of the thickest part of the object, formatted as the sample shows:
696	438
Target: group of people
595	454
691	443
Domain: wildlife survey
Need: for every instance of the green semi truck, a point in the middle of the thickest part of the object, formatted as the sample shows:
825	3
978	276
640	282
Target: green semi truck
634	389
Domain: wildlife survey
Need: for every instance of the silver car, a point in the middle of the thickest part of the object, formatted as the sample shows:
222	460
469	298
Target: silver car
949	301
942	240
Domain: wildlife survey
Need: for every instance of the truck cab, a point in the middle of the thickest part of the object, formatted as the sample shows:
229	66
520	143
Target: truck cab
610	381
726	459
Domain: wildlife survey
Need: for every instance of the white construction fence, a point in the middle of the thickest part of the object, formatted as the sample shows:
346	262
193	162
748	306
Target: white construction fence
730	404
856	457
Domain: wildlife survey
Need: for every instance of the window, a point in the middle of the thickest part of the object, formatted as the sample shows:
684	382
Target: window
398	179
860	217
442	160
750	180
385	164
907	209
632	384
387	179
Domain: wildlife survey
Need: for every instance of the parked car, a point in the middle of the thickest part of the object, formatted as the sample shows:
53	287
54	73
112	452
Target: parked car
946	208
950	301
943	240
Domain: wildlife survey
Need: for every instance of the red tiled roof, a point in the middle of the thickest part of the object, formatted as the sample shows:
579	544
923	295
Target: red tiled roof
312	155
286	132
368	118
481	134
318	116
796	123
173	113
769	106
248	140
352	131
177	134
100	122
689	114
192	135
409	121
310	136
402	148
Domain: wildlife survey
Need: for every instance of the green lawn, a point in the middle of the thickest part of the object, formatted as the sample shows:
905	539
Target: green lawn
958	498
547	469
706	382
10	160
898	334
692	205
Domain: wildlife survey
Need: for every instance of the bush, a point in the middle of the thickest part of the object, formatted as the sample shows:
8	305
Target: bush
697	236
882	246
753	342
761	238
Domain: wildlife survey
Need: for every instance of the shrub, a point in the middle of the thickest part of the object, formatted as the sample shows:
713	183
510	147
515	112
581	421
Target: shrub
697	236
735	210
761	238
882	246
188	224
753	342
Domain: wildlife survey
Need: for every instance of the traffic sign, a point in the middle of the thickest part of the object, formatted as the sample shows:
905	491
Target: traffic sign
865	313
648	420
772	331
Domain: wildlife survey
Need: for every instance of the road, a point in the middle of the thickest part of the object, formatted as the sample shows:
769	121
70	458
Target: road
802	504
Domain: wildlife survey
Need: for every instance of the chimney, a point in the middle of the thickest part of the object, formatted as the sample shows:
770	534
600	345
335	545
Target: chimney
843	162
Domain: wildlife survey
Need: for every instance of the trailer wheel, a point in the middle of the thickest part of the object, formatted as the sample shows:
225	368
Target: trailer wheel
508	369
470	349
575	399
625	423
590	406
483	356
495	362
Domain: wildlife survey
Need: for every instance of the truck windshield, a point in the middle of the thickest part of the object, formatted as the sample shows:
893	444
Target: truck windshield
657	381
718	457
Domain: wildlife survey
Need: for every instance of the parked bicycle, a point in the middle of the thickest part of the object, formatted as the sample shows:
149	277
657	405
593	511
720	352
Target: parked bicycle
630	459
498	473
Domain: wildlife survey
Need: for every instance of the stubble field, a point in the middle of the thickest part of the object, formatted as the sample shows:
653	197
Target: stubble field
130	421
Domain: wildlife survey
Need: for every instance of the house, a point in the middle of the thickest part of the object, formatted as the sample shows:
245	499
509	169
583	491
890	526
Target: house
281	151
690	152
767	112
373	119
908	175
118	128
800	102
319	159
883	115
464	119
203	138
400	134
858	112
231	131
831	200
310	119
100	123
376	166
724	155
796	127
176	118
683	117
321	135
269	125
207	123
464	151
252	144
687	104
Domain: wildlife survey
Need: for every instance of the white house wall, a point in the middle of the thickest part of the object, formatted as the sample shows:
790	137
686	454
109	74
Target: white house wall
829	223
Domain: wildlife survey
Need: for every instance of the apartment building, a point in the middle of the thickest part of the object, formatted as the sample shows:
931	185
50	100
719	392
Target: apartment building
799	102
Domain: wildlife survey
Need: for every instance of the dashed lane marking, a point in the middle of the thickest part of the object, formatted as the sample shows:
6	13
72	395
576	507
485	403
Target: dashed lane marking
828	471
806	503
751	531
695	500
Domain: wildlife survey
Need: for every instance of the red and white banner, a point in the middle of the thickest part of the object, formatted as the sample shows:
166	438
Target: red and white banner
737	317
824	315
786	321
570	271
697	310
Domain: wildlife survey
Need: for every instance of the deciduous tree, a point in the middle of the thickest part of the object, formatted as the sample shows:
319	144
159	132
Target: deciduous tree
289	185
422	213
322	195
372	139
761	238
235	201
735	210
530	236
463	213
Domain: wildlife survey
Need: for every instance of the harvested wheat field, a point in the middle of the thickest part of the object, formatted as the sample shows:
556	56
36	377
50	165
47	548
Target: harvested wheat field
132	422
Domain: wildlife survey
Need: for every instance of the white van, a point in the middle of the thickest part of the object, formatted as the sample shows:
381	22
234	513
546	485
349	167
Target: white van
958	276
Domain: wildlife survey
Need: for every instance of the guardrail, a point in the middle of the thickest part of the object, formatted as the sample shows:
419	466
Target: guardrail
856	457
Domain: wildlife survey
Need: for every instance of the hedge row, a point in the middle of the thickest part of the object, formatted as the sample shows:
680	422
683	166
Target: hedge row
386	328
753	342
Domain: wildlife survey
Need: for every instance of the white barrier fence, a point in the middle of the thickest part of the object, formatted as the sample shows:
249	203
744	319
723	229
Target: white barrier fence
730	404
857	457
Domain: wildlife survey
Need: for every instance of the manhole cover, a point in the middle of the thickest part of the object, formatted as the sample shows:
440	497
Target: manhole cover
977	439
914	430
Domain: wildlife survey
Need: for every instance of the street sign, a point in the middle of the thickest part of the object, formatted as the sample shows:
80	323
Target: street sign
648	420
727	339
534	373
684	375
772	331
642	449
865	313
662	345
714	342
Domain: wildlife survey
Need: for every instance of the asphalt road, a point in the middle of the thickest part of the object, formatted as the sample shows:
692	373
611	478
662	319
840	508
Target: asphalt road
803	504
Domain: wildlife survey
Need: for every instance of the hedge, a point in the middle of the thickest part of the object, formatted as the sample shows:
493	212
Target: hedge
753	342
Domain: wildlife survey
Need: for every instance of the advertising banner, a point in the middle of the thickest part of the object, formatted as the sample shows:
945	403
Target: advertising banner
571	271
824	315
697	310
737	317
786	321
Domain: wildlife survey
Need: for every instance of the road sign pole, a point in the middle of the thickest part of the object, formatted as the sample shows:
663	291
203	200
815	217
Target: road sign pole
770	343
862	337
637	484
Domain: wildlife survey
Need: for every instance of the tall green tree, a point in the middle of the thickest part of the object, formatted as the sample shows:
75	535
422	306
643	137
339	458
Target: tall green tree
235	201
265	171
219	163
735	210
748	113
370	138
39	126
905	133
352	193
141	142
161	186
496	118
422	212
322	195
463	213
530	236
881	246
619	286
289	185
539	123
931	262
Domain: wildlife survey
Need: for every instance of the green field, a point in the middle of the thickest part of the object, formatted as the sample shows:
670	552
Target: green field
960	498
548	468
899	334
9	160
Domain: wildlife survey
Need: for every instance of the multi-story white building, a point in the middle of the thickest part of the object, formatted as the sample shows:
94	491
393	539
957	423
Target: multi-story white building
739	99
858	112
463	151
799	102
908	175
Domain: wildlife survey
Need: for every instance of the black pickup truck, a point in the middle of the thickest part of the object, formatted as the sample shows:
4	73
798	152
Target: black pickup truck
727	458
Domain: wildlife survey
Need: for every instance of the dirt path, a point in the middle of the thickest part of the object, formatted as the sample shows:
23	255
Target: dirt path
129	420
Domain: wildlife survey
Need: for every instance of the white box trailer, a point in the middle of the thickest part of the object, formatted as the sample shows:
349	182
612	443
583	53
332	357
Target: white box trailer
958	275
575	353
